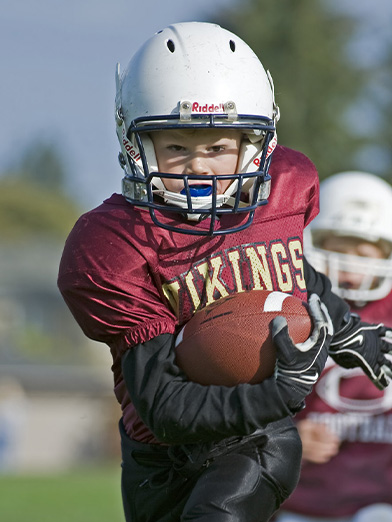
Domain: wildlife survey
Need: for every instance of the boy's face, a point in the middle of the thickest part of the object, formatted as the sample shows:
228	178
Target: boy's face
197	151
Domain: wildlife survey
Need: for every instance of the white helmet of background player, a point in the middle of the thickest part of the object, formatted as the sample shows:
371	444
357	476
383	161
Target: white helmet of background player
195	75
354	205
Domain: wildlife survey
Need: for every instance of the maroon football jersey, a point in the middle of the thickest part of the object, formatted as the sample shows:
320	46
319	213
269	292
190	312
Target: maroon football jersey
127	280
350	405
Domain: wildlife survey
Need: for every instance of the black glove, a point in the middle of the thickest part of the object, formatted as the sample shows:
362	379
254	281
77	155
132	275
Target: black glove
364	345
299	365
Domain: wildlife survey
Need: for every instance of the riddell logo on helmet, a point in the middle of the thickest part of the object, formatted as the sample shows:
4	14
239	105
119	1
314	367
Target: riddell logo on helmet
207	107
271	147
129	148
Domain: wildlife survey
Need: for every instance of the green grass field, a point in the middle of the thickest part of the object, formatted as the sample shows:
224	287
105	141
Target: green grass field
87	495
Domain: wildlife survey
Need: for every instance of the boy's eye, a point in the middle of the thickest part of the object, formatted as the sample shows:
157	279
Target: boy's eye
217	148
175	148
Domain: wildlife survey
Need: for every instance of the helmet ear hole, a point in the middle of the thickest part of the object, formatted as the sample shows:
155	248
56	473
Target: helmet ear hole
232	45
170	45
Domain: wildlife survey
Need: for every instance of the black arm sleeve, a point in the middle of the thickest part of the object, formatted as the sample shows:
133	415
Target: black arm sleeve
178	411
317	283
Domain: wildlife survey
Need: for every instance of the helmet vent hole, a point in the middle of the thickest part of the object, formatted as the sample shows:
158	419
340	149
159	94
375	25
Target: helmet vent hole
171	46
232	45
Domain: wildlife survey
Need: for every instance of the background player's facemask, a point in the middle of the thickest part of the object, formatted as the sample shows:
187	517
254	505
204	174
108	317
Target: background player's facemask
149	98
375	275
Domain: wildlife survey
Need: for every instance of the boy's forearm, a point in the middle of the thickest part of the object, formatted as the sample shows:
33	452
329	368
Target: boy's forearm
181	412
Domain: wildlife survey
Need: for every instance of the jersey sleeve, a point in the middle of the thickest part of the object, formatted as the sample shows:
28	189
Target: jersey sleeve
109	286
313	195
295	184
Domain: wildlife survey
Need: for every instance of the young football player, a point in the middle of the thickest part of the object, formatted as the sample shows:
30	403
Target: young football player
346	425
195	117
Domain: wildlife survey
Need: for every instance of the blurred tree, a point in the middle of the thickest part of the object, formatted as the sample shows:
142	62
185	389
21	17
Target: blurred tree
303	43
42	164
36	215
383	83
28	209
33	200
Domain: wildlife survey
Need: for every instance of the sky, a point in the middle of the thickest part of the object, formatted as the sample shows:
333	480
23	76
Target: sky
58	62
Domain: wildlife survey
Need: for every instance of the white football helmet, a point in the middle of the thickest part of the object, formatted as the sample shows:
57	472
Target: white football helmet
354	205
195	75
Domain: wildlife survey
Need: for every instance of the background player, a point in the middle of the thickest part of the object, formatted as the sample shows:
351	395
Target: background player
195	116
346	426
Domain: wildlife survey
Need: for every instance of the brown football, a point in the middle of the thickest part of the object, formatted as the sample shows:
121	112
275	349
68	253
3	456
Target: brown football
229	342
